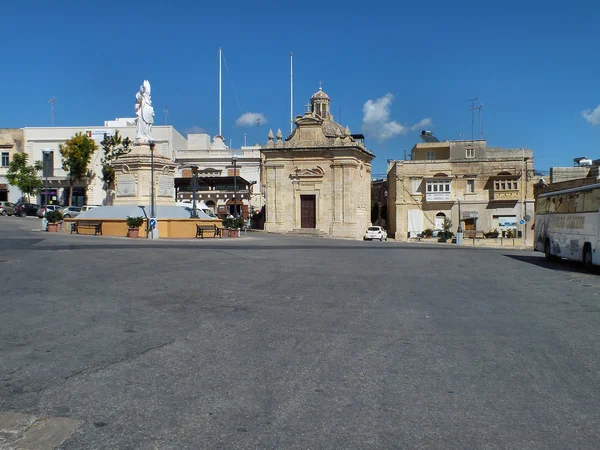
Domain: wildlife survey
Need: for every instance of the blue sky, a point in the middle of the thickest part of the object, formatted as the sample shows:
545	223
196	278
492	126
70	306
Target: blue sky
533	65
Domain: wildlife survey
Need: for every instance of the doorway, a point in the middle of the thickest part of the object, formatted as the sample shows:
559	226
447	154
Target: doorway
308	211
439	221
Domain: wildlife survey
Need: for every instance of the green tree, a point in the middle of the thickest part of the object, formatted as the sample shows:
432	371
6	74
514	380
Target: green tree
447	230
113	147
76	155
25	176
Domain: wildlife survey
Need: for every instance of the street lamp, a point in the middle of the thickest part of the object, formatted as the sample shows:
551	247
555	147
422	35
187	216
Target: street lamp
194	187
46	154
152	145
235	209
459	231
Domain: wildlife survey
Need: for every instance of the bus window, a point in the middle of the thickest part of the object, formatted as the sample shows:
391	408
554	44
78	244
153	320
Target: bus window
551	204
590	201
562	204
579	202
542	206
572	199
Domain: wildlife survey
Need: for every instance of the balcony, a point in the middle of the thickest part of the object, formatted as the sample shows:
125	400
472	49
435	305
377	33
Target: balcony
505	189
438	197
437	189
506	195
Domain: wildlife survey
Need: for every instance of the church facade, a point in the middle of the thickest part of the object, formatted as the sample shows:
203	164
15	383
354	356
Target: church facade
317	180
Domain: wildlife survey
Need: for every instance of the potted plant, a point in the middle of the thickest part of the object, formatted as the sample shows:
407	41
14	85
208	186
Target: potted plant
427	232
233	225
133	226
492	234
53	218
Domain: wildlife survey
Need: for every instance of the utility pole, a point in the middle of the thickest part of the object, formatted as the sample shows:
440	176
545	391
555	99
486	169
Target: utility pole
52	101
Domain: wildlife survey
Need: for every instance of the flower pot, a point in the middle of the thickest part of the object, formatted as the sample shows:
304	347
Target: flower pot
233	233
52	228
133	232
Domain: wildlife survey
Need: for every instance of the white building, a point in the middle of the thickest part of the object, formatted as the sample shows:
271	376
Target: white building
38	140
215	159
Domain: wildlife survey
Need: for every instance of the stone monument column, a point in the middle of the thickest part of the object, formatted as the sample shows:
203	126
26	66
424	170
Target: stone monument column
133	172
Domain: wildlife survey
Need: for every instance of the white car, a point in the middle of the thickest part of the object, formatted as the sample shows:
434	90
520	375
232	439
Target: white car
375	233
88	207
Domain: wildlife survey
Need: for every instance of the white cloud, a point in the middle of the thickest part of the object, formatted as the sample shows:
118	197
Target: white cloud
592	117
251	119
427	122
195	130
377	123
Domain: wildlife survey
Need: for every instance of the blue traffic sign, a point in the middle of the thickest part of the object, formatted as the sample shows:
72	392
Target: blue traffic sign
152	223
522	222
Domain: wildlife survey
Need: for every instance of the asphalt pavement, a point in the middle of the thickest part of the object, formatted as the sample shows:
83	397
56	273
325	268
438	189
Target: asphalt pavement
285	342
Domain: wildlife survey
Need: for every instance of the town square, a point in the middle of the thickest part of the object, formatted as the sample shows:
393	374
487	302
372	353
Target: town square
299	226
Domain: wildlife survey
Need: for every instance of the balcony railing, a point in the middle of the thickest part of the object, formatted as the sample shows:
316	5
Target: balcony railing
438	196
512	194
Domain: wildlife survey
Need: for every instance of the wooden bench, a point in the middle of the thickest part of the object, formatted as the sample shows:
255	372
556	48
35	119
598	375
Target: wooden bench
200	229
95	224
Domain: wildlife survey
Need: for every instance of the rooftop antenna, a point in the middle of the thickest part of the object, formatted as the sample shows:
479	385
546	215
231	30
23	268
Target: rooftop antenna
220	117
472	109
480	127
166	113
291	92
52	101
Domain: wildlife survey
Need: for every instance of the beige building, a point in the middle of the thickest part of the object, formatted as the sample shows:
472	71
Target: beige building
491	187
11	142
318	180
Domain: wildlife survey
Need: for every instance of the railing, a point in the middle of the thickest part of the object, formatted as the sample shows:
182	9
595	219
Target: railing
217	153
438	196
513	194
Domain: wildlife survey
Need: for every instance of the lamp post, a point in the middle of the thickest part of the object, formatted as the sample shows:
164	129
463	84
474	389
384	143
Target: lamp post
459	231
194	187
235	209
46	154
152	145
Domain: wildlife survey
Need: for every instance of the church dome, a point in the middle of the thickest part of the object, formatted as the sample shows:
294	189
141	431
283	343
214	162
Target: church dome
320	94
332	129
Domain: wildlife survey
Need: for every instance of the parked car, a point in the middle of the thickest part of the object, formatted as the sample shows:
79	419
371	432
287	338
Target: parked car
7	209
46	208
88	207
26	209
70	211
375	233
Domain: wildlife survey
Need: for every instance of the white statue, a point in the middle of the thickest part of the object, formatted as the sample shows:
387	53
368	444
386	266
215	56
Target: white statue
145	114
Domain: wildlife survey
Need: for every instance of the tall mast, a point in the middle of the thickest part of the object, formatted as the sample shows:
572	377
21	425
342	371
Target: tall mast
291	92
220	117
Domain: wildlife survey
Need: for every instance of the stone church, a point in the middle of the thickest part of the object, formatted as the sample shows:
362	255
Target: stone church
318	180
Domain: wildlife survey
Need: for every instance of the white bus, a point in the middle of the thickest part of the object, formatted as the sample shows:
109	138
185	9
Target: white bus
567	224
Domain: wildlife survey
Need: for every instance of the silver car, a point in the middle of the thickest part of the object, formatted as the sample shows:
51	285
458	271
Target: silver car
70	211
7	209
47	208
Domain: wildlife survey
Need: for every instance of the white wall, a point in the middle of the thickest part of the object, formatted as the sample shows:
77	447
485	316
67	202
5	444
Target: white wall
37	140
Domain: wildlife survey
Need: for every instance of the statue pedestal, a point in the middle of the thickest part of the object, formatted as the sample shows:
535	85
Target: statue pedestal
133	173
